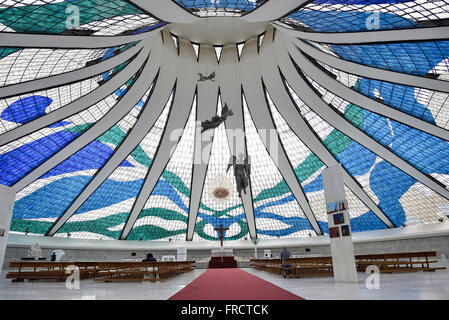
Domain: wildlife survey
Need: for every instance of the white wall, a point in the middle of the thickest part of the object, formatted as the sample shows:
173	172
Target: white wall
420	238
411	232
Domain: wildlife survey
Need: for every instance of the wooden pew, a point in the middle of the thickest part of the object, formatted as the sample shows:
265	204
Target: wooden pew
322	266
142	271
299	267
99	271
35	270
398	262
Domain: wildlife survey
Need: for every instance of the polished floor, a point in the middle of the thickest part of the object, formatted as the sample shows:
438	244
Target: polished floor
404	286
399	286
94	290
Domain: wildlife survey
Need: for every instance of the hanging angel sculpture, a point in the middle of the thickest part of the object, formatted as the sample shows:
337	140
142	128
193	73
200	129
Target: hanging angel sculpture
216	120
210	77
242	172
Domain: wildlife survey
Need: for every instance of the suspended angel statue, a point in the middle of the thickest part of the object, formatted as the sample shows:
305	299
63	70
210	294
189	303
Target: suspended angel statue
216	120
242	172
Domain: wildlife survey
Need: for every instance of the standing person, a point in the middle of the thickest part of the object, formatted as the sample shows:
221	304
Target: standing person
149	258
285	254
56	255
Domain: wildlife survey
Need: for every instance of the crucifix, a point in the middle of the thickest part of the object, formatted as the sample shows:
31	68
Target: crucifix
221	231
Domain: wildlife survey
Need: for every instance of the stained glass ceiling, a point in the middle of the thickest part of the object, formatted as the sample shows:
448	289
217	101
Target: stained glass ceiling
347	16
101	111
217	8
76	17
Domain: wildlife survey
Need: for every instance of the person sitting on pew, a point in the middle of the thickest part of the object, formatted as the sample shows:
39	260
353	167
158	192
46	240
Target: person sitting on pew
285	254
149	258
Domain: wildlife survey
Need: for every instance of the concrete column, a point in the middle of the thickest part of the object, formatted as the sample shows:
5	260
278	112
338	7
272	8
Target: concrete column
181	254
342	247
255	241
7	198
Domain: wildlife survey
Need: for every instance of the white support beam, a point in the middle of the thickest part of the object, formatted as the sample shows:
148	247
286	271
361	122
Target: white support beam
29	40
69	77
145	122
167	10
281	97
272	10
315	102
184	68
379	36
126	103
361	100
230	89
207	96
260	113
371	72
83	102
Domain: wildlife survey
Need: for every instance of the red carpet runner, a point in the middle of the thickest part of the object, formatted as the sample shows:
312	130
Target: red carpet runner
232	284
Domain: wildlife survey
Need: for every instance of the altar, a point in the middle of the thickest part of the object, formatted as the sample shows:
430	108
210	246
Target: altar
222	258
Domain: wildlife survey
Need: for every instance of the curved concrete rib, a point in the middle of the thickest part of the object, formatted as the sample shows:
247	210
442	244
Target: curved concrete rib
81	103
230	89
126	103
286	107
29	40
272	10
418	34
179	114
145	122
260	113
140	129
206	108
167	10
69	77
361	100
370	72
310	98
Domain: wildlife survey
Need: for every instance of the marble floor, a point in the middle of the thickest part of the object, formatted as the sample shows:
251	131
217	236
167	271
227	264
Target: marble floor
398	286
405	286
95	290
